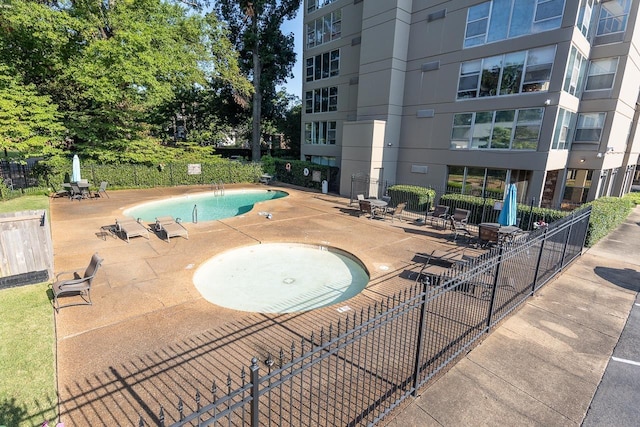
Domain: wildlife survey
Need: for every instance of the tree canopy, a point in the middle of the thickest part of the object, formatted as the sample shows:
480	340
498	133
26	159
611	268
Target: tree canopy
112	68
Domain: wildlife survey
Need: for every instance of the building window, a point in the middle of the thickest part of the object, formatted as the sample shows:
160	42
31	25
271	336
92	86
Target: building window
497	130
323	133
576	67
323	160
321	100
577	187
589	127
498	20
323	66
516	72
317	4
584	16
562	133
324	29
613	17
601	74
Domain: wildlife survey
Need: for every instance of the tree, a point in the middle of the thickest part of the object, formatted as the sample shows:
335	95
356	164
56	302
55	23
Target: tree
267	56
29	123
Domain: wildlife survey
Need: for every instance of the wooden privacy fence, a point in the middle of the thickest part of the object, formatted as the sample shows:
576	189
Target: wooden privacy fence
26	250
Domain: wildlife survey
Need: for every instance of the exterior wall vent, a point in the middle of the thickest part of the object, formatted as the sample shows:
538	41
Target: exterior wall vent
437	15
354	80
425	113
419	169
352	117
356	41
430	66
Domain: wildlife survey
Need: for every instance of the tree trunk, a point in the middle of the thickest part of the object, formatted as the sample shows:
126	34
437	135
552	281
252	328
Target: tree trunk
257	104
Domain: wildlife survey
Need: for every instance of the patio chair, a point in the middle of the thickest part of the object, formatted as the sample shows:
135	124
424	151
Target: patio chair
130	227
367	208
78	192
461	215
102	189
439	215
488	236
397	211
360	196
71	283
171	227
460	229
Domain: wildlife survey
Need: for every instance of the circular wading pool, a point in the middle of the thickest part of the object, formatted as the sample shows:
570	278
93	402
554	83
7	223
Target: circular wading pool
280	277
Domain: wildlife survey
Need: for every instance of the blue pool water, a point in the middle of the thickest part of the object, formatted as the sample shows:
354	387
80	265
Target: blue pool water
210	206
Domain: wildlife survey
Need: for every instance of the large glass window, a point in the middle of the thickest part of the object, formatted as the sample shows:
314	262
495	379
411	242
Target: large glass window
320	133
497	20
323	66
562	133
317	4
589	127
613	16
497	130
321	100
584	16
512	73
601	74
577	187
576	67
487	182
324	29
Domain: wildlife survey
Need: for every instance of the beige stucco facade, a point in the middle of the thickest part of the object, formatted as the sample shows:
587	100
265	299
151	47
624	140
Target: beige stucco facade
400	72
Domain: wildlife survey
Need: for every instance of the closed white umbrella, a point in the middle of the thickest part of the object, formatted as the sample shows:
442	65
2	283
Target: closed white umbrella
75	172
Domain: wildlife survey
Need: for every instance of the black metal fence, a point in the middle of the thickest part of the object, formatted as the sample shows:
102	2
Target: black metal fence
356	371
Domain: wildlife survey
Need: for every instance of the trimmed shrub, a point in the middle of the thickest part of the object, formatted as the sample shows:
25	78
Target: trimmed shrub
607	213
419	199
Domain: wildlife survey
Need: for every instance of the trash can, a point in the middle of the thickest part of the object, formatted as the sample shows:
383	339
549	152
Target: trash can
325	186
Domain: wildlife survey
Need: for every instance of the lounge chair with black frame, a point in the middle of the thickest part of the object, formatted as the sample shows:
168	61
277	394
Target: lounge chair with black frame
131	227
171	227
439	215
71	283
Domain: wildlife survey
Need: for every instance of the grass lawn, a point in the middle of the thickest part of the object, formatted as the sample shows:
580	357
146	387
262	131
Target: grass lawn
27	350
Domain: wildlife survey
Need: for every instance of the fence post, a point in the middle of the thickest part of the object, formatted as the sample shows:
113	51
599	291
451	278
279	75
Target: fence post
495	287
566	241
421	329
535	275
255	377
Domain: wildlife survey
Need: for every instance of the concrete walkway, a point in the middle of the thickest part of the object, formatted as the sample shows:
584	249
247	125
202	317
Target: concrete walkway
543	366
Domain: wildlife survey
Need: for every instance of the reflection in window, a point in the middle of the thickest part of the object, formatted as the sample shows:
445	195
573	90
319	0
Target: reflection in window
323	160
589	127
321	100
601	74
562	133
525	71
577	187
485	182
613	17
317	4
504	19
584	16
498	130
324	29
576	67
320	133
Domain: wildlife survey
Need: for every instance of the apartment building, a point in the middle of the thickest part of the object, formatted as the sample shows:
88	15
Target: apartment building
476	94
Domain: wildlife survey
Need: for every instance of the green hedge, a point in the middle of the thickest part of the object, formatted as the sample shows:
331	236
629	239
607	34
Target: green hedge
419	199
607	213
477	204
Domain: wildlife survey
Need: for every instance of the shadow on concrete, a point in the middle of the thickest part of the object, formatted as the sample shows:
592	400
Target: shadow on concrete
625	278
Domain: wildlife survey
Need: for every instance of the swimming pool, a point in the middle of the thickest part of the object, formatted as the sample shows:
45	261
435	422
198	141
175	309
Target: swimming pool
209	206
280	277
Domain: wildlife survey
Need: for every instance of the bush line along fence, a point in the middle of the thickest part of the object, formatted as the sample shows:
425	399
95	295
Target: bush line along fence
357	371
608	212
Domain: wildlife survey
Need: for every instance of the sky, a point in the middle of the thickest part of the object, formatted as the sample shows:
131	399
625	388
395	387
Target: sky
294	85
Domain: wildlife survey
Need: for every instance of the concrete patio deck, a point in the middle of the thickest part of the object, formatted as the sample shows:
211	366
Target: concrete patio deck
150	337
